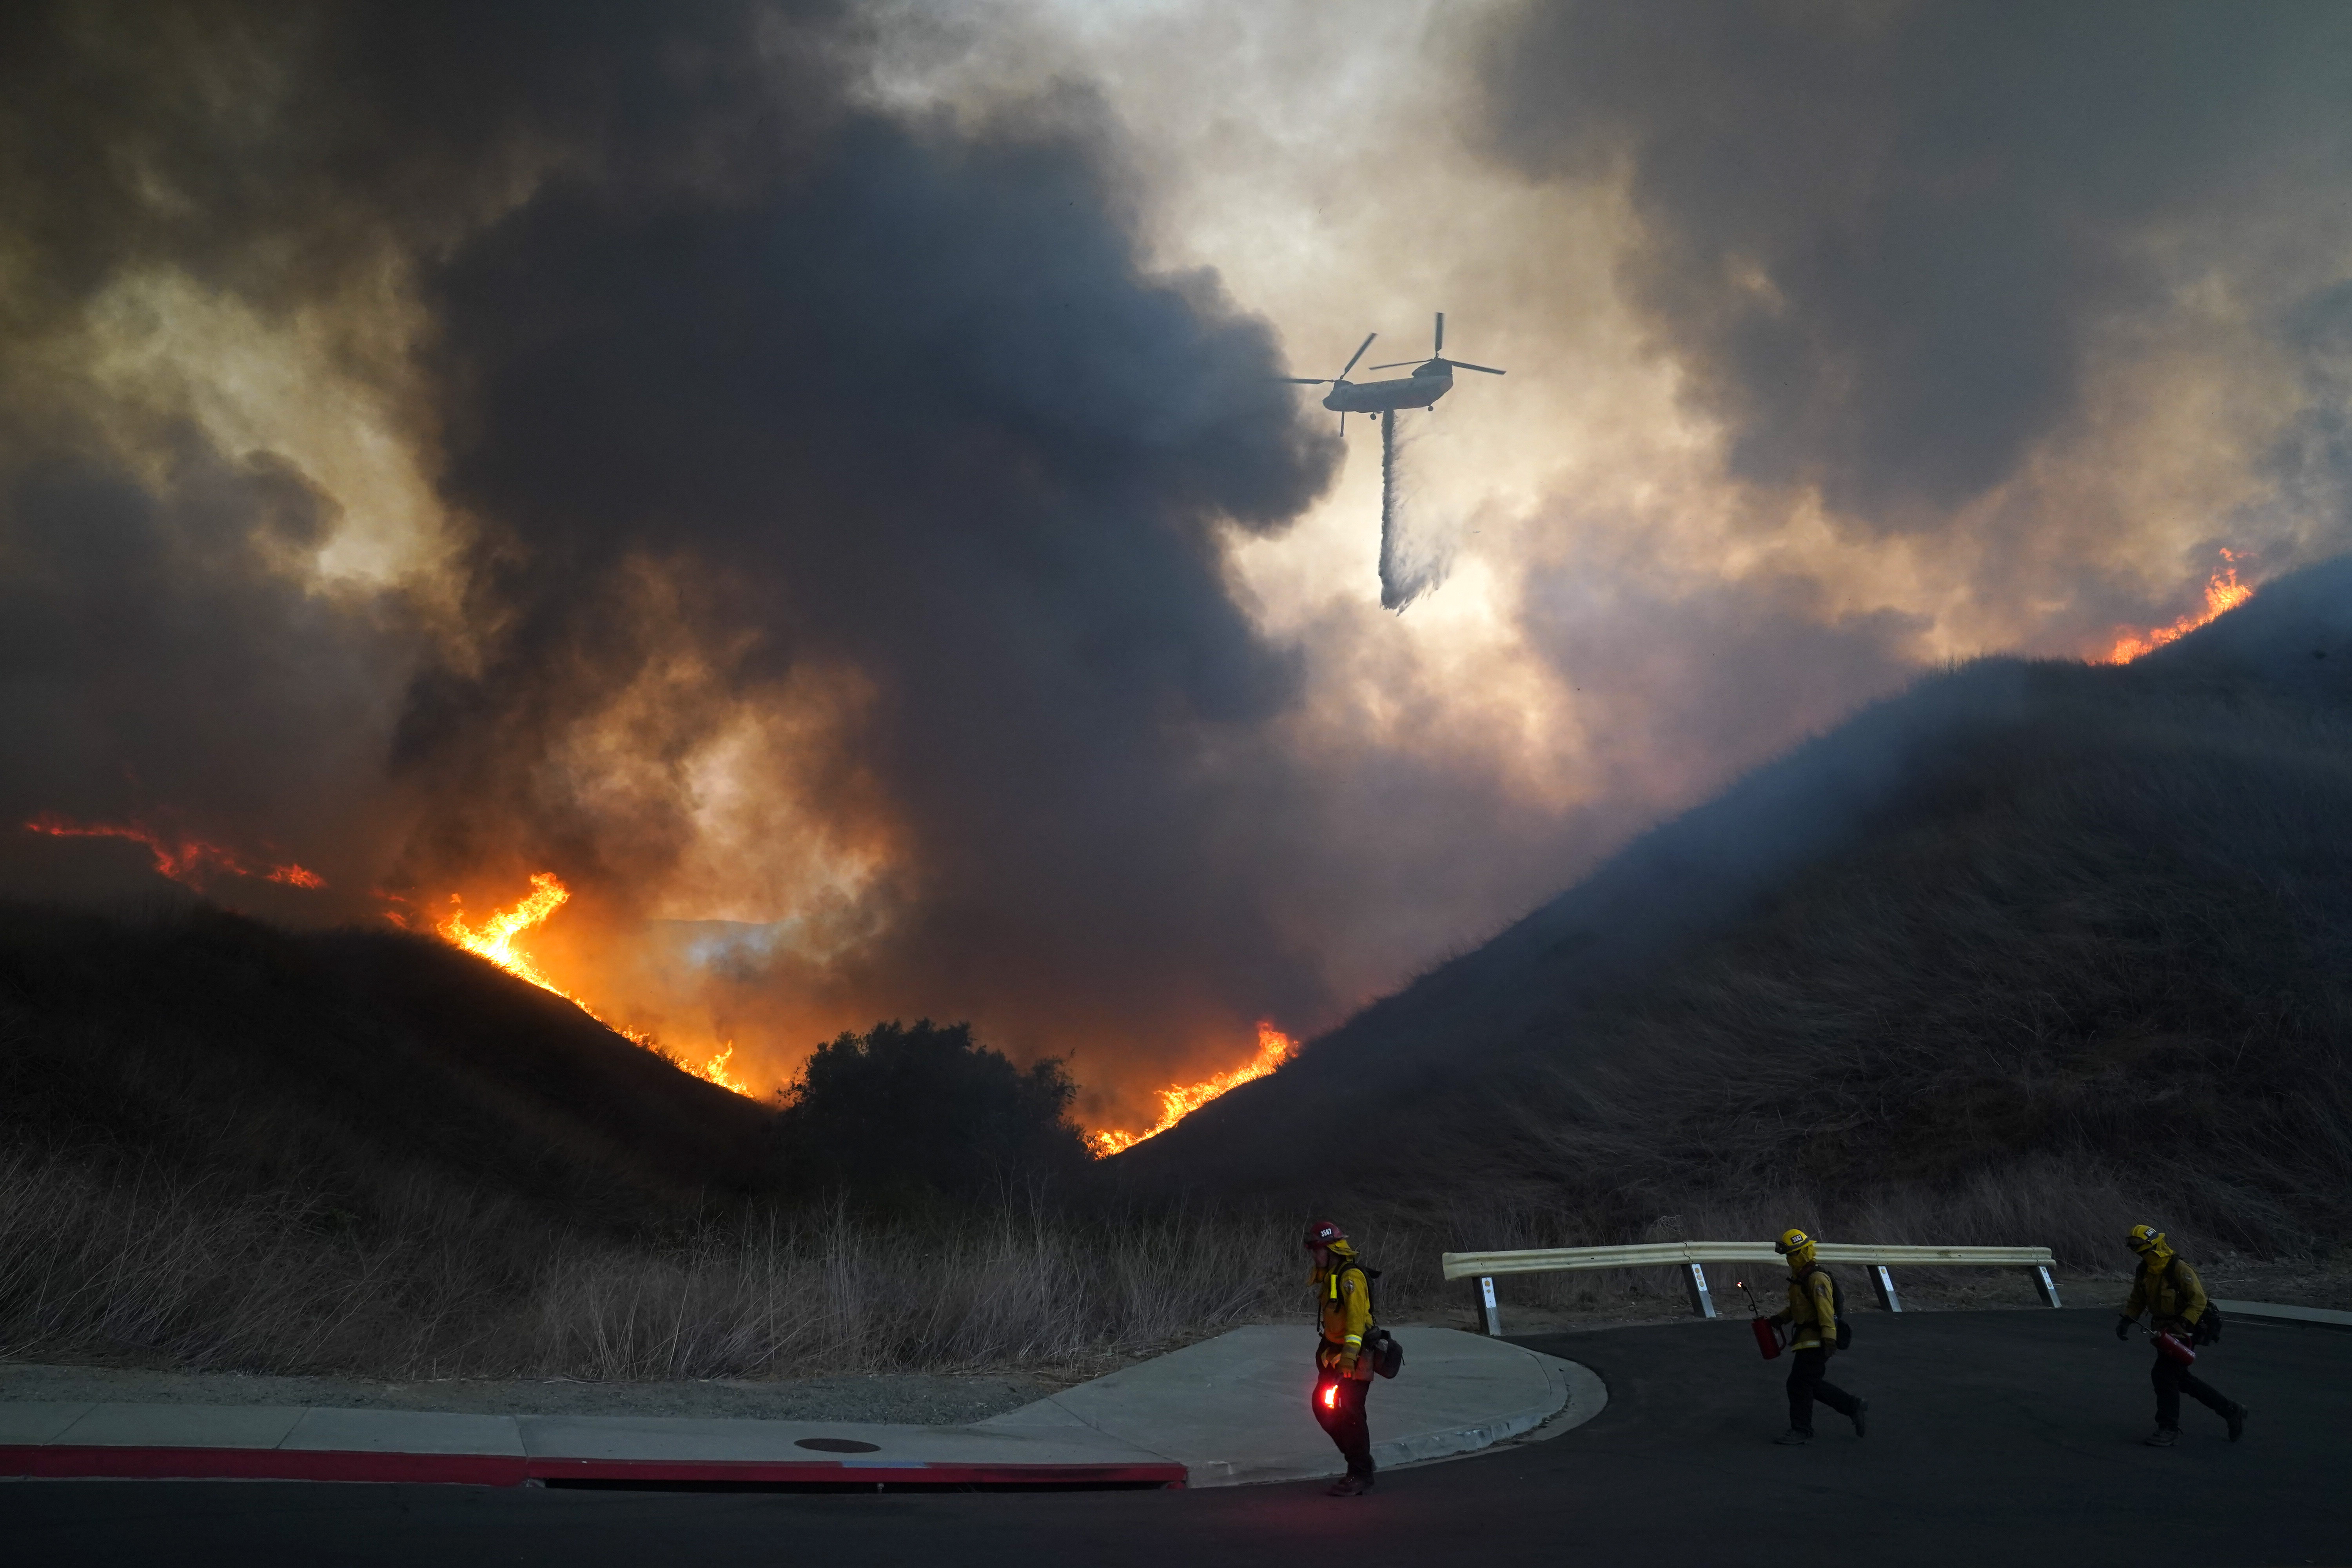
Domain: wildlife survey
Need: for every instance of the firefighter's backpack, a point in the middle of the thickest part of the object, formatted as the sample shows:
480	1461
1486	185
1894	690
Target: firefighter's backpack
1388	1356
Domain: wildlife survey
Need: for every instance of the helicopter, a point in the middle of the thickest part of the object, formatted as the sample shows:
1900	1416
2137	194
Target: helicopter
1431	379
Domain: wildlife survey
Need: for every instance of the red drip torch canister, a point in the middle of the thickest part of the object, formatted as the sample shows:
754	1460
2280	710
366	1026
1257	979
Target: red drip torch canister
2175	1347
1766	1339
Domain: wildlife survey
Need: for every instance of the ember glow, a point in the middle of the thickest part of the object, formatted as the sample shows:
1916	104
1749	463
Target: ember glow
493	940
2224	593
1274	1048
187	861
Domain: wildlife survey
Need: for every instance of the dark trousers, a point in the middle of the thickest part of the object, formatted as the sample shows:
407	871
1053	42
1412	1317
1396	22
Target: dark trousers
1339	1411
2172	1380
1805	1385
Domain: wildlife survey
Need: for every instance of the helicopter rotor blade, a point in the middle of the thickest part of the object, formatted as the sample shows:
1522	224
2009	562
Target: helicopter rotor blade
1465	364
1439	351
1306	380
1394	363
1356	355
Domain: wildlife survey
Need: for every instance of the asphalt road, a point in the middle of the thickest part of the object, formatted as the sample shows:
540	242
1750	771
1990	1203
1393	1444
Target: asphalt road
1995	1436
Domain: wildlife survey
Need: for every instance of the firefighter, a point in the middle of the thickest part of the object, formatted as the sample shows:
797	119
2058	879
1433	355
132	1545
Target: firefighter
1343	1371
2169	1292
1813	1320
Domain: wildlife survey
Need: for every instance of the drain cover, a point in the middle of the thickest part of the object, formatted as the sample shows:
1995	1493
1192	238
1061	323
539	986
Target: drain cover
837	1446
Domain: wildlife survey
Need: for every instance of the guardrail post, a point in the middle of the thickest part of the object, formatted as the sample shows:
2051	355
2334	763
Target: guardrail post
1695	1285
2047	1287
1490	1316
1881	1284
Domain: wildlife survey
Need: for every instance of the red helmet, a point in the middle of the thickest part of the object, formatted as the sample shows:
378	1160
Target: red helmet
1323	1233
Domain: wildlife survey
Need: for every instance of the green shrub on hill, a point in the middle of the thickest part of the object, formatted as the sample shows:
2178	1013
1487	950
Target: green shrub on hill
902	1114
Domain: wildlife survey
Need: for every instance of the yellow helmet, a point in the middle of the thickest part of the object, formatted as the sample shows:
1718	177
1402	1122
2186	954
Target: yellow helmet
1795	1246
2144	1239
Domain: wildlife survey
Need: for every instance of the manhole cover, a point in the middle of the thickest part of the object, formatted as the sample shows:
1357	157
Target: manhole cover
837	1446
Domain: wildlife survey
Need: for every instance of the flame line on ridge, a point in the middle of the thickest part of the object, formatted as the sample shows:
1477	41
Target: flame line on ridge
1180	1101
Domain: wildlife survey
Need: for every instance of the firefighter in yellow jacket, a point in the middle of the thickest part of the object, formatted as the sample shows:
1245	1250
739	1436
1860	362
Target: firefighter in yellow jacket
1812	1319
2169	1292
1343	1370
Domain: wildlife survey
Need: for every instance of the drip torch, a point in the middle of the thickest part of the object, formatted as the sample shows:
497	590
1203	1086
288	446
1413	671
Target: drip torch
1768	1338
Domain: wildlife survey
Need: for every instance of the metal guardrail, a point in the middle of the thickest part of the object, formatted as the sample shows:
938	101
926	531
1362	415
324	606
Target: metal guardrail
1689	1258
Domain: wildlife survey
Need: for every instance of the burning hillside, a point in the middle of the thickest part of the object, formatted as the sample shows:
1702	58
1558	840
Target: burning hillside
494	941
190	862
1178	1102
2223	592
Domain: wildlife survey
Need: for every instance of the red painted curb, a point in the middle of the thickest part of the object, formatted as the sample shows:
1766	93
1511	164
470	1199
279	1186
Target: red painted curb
67	1462
95	1462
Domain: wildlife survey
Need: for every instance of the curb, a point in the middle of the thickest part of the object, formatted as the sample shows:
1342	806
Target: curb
2271	1311
61	1462
1577	1396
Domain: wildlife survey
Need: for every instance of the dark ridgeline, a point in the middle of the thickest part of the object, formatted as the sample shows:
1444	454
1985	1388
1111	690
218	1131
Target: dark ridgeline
356	1068
1995	954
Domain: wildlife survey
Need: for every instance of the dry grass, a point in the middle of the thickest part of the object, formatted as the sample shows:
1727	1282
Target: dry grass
2079	965
146	1270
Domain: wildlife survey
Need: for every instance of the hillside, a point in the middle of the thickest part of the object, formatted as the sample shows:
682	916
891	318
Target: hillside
226	1145
2029	946
206	1046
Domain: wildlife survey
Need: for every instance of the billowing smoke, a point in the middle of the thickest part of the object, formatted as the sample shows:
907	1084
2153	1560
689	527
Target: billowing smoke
655	444
826	507
1893	247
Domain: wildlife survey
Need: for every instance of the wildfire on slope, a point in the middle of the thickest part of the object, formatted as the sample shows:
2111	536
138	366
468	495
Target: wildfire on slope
2224	593
185	861
1177	1102
493	940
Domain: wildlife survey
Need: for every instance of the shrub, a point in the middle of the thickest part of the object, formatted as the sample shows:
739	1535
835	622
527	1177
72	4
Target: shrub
900	1114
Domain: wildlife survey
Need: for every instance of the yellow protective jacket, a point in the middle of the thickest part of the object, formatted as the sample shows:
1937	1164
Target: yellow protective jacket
1346	1305
2168	1291
1812	1310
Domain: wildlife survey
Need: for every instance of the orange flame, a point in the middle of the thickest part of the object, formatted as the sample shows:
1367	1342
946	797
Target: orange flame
715	1070
1274	1048
2224	593
493	940
184	860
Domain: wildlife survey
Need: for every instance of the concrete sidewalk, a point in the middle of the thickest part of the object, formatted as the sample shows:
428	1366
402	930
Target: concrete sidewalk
1230	1410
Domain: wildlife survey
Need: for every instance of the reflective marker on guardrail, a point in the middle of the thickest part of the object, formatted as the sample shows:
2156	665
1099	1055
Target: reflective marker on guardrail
1490	1317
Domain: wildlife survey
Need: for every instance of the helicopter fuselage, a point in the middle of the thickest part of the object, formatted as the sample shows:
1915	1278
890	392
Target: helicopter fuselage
1419	390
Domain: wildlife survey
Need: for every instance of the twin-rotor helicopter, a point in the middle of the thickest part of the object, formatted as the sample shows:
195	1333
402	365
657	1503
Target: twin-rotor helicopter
1431	379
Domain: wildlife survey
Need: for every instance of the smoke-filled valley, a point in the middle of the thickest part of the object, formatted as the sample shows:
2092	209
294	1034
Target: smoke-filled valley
781	522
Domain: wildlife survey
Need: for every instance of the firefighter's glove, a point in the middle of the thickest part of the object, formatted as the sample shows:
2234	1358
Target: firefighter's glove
2123	1328
1348	1363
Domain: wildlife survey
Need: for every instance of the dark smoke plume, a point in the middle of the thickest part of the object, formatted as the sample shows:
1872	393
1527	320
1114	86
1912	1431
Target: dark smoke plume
1887	241
739	392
